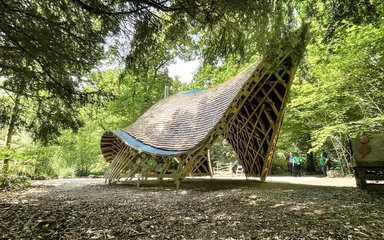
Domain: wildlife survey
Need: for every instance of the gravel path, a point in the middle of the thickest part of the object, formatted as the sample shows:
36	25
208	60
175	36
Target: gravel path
282	208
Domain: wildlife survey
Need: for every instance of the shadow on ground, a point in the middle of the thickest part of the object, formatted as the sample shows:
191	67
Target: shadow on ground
216	185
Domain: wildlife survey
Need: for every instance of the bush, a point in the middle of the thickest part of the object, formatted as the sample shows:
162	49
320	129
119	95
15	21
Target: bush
79	154
13	180
279	164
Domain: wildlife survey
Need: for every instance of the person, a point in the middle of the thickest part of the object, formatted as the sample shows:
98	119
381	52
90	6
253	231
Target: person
296	161
289	162
323	161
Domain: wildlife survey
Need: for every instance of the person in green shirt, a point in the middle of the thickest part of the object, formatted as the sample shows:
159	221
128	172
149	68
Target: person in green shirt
323	161
296	161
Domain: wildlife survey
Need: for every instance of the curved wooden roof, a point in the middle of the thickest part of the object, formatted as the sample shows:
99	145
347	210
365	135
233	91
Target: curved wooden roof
183	120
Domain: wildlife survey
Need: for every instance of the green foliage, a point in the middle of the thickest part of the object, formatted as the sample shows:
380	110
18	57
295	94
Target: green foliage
331	17
12	180
30	160
80	152
209	75
73	155
279	165
47	46
339	94
47	49
11	177
222	152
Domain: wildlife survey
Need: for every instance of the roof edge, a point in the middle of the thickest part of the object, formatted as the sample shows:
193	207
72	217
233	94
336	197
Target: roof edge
142	147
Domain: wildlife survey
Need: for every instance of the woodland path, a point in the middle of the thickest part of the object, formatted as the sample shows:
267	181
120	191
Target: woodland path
282	208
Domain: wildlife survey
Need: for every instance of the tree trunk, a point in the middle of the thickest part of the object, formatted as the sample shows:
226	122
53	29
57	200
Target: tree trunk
11	131
310	162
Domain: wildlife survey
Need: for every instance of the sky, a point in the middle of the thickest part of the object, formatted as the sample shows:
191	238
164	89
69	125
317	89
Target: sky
183	69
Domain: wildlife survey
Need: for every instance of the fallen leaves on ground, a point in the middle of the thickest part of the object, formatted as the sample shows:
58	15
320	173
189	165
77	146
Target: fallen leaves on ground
201	209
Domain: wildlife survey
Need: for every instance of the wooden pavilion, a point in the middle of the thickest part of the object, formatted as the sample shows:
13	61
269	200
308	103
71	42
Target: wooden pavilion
173	137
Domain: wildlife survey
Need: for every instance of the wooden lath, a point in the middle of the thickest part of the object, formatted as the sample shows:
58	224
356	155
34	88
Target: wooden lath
262	114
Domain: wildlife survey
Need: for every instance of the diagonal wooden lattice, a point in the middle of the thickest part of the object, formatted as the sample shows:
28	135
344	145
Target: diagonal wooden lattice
254	130
173	138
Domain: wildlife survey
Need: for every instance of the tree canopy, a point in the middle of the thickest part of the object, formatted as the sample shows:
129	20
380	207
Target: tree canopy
49	47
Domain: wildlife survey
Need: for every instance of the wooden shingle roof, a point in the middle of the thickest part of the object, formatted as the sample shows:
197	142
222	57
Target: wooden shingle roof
183	120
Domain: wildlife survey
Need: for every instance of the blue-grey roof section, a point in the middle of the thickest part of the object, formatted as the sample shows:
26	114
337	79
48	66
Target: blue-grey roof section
191	92
140	146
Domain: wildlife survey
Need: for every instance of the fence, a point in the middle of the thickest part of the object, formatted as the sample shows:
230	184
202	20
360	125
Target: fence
227	169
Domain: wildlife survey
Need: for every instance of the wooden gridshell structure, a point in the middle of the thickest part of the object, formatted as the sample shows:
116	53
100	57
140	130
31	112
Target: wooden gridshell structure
172	139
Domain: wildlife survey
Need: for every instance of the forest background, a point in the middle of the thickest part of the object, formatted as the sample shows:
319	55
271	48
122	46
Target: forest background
69	70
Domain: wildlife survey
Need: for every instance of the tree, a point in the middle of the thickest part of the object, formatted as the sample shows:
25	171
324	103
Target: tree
46	49
340	95
49	47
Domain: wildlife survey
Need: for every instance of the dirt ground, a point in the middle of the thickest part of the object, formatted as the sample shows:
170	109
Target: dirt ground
309	207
